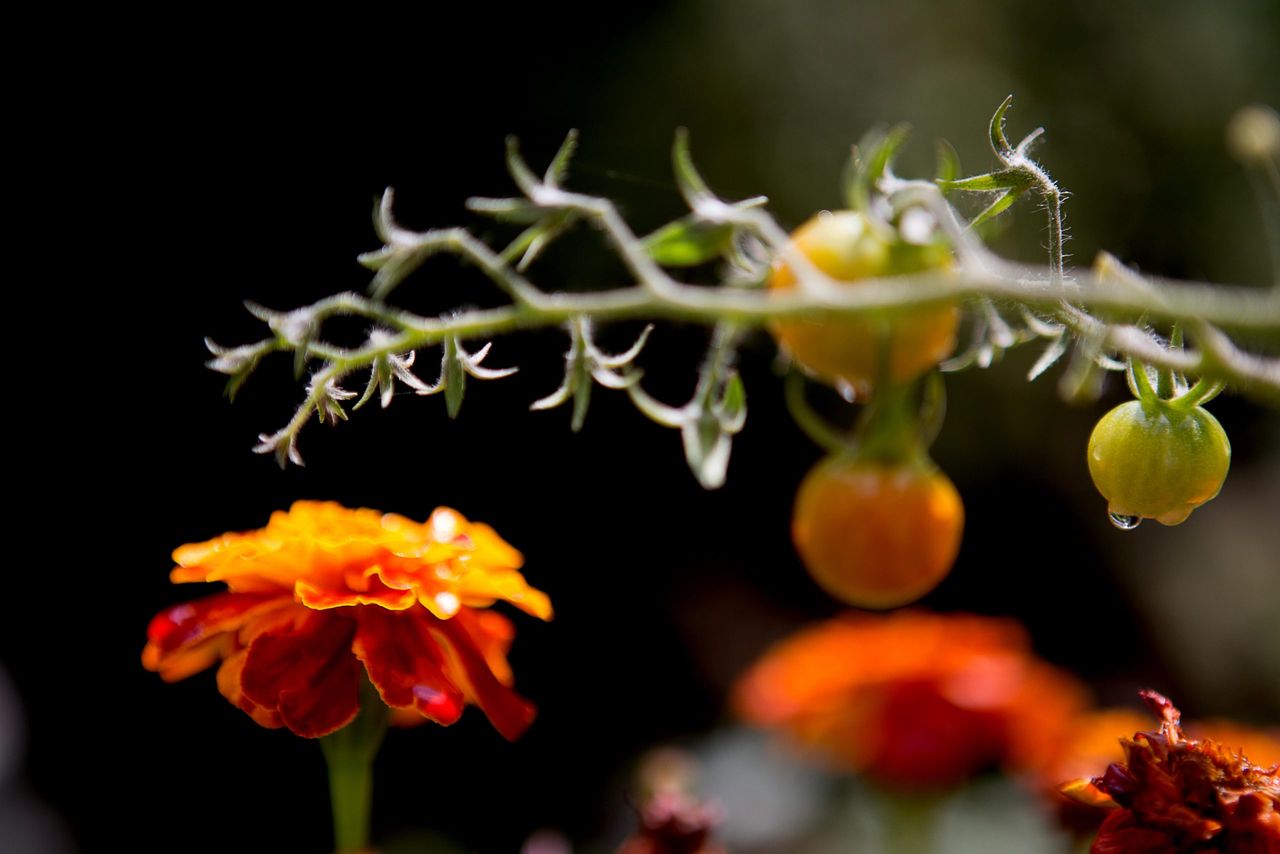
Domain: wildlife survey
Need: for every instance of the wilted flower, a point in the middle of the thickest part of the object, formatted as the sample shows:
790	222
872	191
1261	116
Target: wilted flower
1092	743
913	700
323	593
1178	795
1096	740
672	822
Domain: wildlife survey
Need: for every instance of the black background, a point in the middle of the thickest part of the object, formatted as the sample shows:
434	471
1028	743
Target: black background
227	160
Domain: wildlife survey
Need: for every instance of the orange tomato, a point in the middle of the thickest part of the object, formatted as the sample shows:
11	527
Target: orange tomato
847	351
874	534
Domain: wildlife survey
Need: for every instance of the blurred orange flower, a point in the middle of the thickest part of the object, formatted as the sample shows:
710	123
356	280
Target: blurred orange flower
913	700
323	591
1178	795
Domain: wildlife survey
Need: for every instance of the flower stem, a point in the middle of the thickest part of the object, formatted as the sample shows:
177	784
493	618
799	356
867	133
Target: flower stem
349	753
910	823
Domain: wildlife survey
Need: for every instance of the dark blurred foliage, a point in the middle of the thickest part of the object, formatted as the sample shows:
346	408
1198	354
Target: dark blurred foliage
230	158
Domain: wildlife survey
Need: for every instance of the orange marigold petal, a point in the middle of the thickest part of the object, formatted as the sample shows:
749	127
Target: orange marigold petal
406	664
1083	791
305	671
481	589
491	548
188	659
378	594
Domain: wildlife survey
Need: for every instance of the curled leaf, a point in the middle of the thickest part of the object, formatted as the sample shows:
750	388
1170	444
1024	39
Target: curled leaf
999	144
1052	353
586	364
694	190
559	168
688	242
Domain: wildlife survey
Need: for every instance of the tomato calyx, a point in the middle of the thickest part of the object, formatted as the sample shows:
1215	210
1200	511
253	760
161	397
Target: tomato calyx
1170	390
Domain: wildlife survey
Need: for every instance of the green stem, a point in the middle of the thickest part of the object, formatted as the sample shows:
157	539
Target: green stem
810	422
349	753
1141	383
1164	383
910	823
889	429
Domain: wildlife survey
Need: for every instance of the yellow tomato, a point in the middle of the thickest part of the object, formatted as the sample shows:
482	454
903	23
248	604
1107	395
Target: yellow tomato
847	351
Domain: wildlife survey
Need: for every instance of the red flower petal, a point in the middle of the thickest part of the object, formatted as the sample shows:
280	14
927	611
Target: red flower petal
229	675
191	622
406	664
465	639
1119	835
304	670
925	740
1255	826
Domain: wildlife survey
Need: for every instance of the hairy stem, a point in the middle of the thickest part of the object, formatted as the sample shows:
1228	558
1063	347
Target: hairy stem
1105	305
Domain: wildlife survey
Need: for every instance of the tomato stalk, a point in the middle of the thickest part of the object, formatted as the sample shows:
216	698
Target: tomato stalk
901	419
810	422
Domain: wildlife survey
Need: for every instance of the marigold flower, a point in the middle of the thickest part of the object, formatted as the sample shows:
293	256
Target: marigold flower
911	699
1178	795
323	591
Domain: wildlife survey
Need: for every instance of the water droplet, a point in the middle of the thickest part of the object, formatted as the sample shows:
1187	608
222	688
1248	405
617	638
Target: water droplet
1125	523
917	226
444	523
847	391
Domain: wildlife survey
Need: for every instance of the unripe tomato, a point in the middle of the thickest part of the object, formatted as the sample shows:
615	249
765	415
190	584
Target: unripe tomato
846	247
1156	460
875	534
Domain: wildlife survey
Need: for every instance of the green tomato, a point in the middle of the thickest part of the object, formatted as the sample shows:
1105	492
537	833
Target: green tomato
1157	460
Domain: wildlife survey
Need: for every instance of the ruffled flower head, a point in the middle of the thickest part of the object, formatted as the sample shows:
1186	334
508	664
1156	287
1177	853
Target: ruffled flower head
1178	795
324	596
1097	740
912	700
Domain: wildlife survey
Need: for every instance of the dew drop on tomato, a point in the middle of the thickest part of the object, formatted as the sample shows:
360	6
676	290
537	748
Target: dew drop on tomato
1124	523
